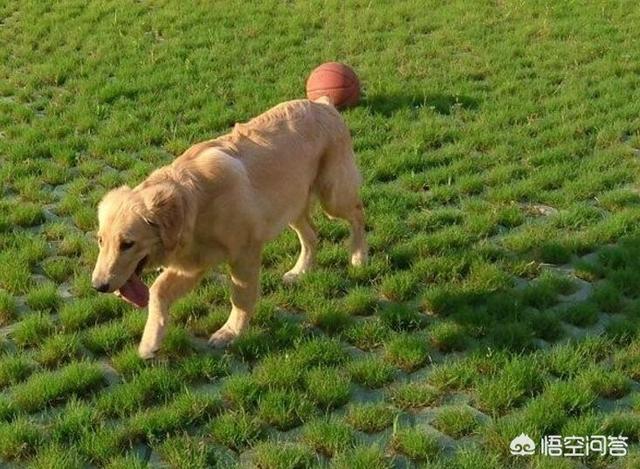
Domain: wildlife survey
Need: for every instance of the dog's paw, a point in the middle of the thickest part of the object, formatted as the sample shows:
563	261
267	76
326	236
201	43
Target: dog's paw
359	259
222	337
145	352
291	277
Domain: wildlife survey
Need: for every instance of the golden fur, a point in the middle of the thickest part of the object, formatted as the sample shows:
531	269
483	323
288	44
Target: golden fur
221	201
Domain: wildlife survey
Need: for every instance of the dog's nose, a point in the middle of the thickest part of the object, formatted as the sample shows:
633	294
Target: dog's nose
101	287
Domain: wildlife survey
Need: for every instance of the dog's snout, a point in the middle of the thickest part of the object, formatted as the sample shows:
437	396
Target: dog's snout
101	287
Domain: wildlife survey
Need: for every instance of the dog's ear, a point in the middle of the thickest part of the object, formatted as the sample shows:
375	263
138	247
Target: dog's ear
111	201
164	210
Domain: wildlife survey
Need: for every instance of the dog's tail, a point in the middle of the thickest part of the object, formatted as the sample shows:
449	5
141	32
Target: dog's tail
328	118
325	99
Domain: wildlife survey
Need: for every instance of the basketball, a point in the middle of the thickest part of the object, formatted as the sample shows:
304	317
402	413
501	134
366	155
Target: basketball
335	80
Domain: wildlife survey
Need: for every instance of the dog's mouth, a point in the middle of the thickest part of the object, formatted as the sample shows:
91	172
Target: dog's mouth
134	290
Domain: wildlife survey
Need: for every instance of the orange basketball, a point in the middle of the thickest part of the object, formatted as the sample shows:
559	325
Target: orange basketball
335	80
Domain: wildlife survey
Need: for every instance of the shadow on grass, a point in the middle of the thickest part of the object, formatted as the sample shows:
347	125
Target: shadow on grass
389	104
524	320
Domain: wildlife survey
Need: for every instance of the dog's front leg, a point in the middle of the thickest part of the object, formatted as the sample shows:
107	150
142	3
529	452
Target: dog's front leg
245	278
170	285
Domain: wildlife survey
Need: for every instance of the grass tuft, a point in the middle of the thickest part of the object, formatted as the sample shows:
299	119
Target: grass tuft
328	436
328	387
371	372
285	409
413	395
407	351
415	443
456	421
237	430
361	457
370	418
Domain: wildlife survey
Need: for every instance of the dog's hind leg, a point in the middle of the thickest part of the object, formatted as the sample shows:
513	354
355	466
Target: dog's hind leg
169	286
337	186
358	237
354	214
245	273
303	227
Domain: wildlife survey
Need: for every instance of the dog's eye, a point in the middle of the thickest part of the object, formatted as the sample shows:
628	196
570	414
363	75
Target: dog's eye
124	245
100	240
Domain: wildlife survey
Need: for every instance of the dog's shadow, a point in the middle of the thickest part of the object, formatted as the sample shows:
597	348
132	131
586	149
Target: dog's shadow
389	104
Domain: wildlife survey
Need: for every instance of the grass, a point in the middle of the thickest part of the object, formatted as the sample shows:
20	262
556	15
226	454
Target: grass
14	368
361	457
367	335
415	443
328	387
328	436
500	189
518	379
455	421
285	409
185	410
407	351
48	387
45	298
371	372
360	301
59	349
150	386
413	395
272	455
8	307
448	337
236	430
32	329
185	451
19	439
370	418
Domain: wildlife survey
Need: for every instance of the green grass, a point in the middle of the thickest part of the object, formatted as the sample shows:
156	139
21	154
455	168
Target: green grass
407	351
448	337
8	308
285	409
178	415
32	329
14	368
49	387
415	443
360	301
44	298
236	430
370	418
19	439
328	436
455	421
361	457
516	380
185	451
371	372
274	455
367	335
150	386
328	387
413	395
59	349
498	147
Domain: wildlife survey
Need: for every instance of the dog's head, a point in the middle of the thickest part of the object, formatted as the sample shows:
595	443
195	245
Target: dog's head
136	230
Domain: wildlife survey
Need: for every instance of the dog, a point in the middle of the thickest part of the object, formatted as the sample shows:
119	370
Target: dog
221	201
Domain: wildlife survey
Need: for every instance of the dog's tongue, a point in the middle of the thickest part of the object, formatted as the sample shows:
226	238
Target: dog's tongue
135	291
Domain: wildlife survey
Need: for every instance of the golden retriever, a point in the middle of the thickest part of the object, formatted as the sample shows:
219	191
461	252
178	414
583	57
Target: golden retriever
221	201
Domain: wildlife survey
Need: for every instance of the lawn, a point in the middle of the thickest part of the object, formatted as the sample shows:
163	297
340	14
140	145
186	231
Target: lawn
499	144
